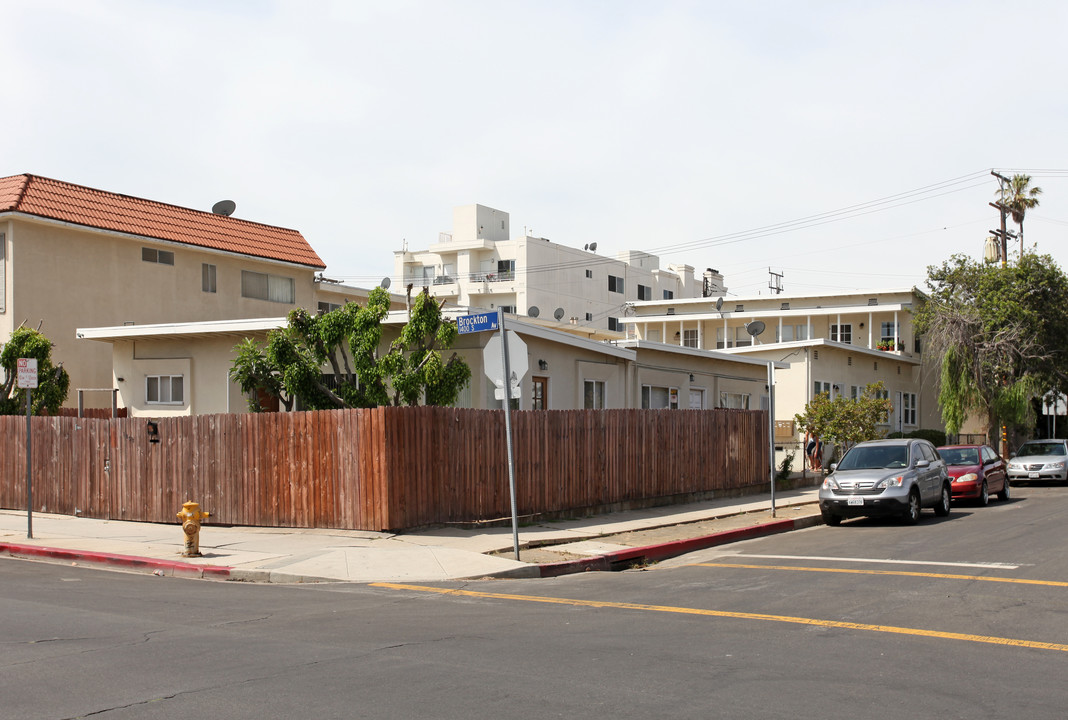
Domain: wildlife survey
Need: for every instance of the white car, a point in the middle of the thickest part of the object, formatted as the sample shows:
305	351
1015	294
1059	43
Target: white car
1040	460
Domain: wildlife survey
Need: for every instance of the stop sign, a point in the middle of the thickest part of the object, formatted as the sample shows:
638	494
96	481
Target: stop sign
493	363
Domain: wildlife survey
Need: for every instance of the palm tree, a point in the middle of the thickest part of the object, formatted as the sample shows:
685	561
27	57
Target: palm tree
1018	197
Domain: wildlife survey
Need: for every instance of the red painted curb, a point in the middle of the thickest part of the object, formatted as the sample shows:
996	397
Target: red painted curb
173	567
663	551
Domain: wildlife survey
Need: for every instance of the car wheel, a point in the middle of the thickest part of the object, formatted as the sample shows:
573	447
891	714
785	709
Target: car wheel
1004	494
984	495
942	508
912	510
829	518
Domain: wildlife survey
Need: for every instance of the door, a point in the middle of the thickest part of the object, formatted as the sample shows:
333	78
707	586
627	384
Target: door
697	399
540	399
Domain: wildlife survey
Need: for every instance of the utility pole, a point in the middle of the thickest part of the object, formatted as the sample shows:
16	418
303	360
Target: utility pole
1003	235
775	281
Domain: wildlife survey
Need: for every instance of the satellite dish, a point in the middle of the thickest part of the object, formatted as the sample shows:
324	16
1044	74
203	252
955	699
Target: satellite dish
533	311
755	328
385	283
224	207
719	304
558	313
586	246
593	247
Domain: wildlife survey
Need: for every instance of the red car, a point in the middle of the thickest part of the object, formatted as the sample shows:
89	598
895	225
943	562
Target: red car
976	472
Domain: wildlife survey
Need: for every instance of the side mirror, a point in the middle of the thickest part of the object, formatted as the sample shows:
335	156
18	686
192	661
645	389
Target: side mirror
923	463
834	466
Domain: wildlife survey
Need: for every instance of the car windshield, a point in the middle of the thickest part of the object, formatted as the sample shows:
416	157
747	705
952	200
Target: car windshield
871	457
1042	448
960	456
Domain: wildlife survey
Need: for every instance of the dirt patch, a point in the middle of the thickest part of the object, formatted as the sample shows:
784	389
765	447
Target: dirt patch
669	533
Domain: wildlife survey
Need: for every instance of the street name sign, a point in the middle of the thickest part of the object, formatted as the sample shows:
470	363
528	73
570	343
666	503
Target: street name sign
479	322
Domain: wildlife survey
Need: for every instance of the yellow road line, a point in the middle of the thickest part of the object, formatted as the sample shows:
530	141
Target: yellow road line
737	615
905	573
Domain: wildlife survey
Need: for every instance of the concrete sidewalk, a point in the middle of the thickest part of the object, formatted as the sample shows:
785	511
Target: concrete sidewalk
313	555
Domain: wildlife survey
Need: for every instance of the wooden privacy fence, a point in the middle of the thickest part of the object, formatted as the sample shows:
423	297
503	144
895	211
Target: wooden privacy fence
378	469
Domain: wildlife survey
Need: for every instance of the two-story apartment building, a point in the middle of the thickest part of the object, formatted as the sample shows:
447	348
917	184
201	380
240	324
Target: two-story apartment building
833	343
479	265
73	256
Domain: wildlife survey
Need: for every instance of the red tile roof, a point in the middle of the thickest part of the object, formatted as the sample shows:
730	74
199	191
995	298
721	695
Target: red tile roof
56	200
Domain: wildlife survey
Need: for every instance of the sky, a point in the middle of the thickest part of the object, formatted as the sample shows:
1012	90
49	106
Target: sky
843	145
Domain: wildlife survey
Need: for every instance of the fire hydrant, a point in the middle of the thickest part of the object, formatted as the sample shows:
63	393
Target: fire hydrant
191	515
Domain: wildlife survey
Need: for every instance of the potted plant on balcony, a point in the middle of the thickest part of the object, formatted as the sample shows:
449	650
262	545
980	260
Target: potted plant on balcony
886	345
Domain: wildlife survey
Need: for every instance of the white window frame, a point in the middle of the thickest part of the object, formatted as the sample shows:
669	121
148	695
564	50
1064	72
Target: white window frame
593	394
208	278
690	338
823	387
264	286
842	333
672	398
734	400
908	409
164	386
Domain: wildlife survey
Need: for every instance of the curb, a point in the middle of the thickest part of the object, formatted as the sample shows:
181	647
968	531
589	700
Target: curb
172	568
624	559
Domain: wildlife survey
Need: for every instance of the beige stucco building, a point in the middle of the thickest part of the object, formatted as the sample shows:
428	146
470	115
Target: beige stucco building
565	370
72	256
832	343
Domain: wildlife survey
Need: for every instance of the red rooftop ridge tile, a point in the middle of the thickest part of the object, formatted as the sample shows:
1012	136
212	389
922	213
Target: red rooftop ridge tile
57	200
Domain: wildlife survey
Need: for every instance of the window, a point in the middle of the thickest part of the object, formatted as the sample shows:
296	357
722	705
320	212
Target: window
887	333
823	387
615	284
3	273
508	309
721	342
325	307
614	324
427	272
593	395
207	277
660	398
689	338
540	398
152	255
589	273
734	401
883	395
790	333
164	389
908	408
506	269
645	292
842	333
669	294
589	317
261	286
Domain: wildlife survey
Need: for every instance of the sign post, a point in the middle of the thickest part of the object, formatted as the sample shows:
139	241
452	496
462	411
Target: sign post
27	378
507	384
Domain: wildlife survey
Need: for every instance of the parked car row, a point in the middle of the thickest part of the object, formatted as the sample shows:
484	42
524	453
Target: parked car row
900	477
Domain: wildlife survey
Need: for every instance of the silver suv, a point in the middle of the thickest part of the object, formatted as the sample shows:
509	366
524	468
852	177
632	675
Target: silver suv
886	477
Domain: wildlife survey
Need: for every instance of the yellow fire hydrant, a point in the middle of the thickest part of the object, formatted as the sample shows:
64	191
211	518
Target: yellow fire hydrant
191	515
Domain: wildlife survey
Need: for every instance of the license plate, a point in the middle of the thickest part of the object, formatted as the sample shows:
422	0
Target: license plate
855	501
1033	476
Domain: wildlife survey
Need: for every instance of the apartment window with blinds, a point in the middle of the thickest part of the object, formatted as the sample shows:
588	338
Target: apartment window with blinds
261	286
164	389
207	277
152	255
593	395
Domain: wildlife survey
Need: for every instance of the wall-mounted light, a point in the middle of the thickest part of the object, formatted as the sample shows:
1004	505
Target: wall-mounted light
153	432
121	379
691	377
542	365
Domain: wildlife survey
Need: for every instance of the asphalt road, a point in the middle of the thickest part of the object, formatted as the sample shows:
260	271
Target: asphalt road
965	617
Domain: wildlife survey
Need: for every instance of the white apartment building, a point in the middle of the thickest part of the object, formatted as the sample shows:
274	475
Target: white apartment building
479	265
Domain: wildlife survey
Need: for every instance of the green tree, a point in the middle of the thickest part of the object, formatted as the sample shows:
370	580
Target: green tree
846	421
1018	197
996	336
53	381
348	340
